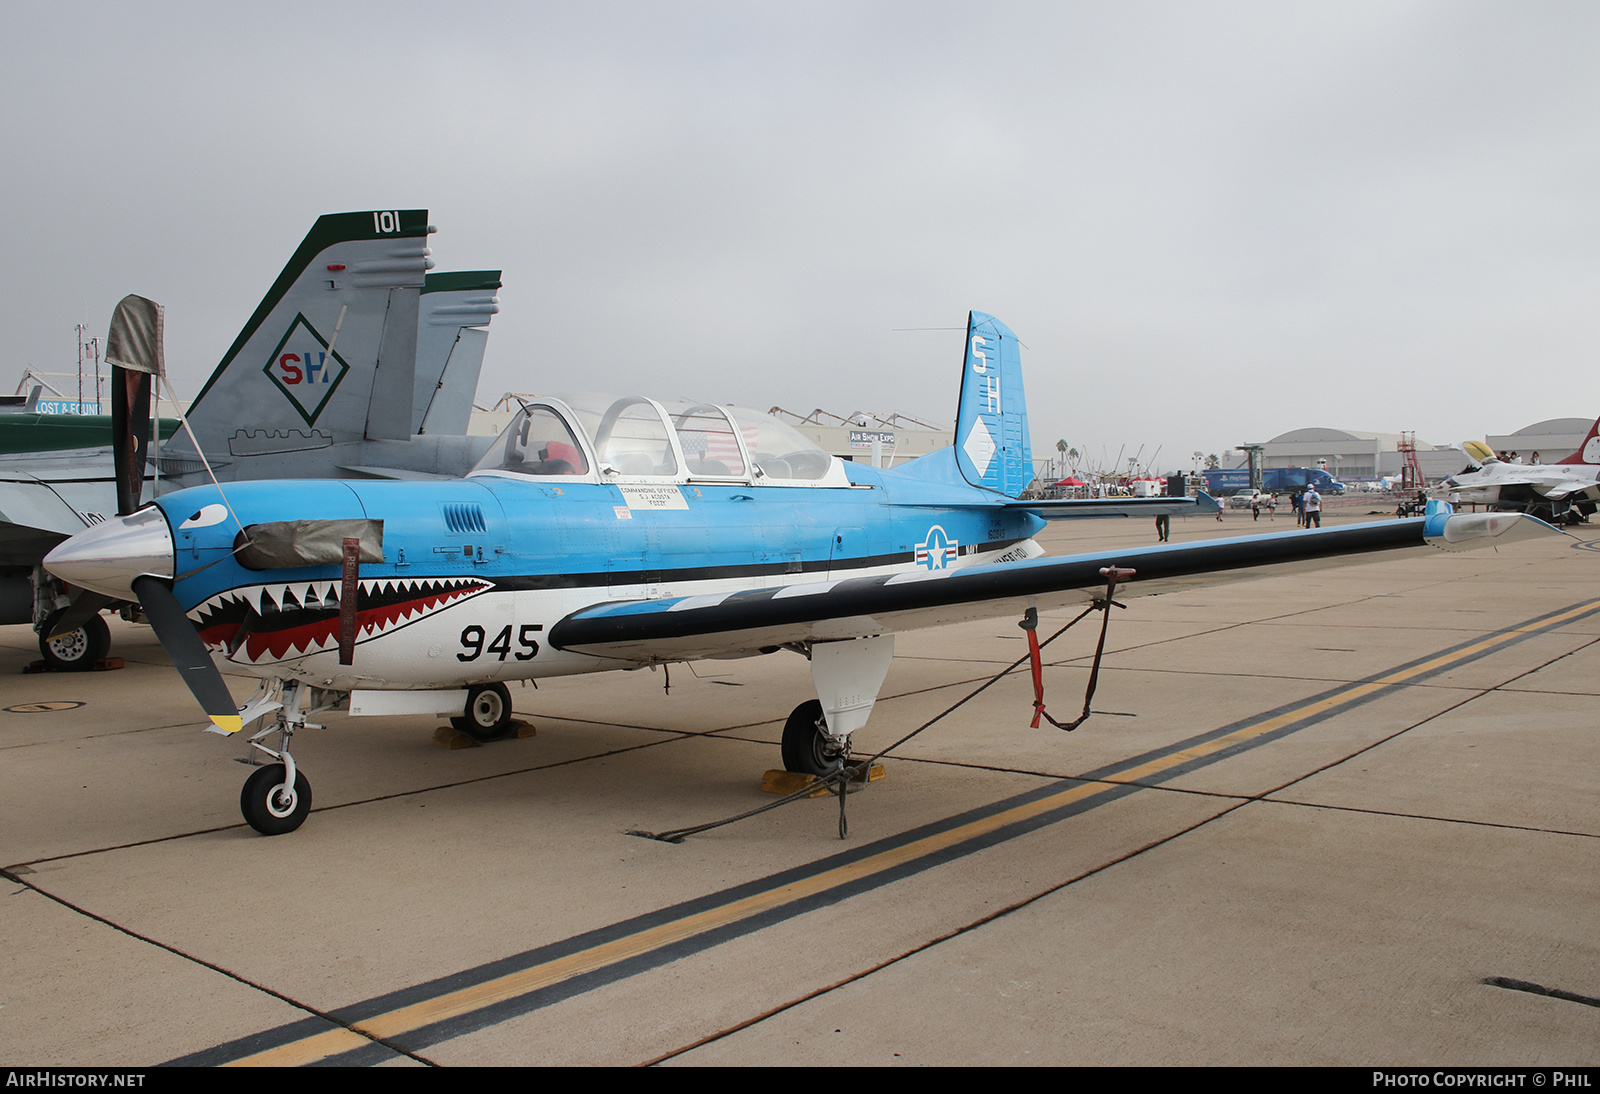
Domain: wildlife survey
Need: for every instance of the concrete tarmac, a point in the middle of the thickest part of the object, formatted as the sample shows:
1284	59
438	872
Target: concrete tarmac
1339	817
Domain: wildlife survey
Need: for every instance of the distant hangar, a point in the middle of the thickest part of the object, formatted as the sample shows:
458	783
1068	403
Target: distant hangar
1355	454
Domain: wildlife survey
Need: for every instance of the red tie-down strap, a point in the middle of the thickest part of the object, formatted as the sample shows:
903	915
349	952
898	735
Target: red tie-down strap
1030	623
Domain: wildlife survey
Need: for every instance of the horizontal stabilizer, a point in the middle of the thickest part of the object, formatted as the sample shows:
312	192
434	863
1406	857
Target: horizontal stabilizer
396	473
1202	504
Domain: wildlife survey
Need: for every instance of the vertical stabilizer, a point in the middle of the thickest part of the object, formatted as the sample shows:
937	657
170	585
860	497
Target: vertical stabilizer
301	374
394	379
451	336
1588	453
992	444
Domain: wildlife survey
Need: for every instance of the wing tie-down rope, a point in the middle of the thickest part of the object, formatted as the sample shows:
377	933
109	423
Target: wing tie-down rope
838	782
1030	623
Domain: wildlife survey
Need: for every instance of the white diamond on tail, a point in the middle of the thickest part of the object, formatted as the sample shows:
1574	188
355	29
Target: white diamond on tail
979	447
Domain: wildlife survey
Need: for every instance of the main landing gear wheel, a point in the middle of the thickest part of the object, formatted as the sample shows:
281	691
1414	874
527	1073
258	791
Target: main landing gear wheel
78	650
488	712
807	750
271	807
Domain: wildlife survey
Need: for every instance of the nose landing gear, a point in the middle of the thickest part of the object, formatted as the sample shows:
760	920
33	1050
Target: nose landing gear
276	798
273	802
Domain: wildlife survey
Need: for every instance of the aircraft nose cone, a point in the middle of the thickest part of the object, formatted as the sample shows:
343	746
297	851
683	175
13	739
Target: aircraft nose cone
107	557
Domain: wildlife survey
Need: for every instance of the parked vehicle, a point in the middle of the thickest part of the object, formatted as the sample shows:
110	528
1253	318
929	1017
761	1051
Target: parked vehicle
1274	480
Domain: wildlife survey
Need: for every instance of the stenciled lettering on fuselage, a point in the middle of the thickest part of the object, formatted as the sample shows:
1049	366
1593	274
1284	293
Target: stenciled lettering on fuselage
304	370
646	496
938	550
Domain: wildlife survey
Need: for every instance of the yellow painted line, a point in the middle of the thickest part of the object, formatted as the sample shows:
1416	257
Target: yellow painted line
319	1046
501	989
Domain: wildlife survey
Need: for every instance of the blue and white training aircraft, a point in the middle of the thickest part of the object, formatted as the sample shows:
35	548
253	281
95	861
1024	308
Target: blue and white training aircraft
611	533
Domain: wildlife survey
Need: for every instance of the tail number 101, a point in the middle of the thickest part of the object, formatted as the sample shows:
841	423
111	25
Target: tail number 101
472	639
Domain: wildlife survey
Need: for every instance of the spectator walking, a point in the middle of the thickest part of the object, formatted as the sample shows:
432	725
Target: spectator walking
1313	506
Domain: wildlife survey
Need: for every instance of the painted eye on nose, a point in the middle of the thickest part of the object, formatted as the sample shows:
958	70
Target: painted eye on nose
206	517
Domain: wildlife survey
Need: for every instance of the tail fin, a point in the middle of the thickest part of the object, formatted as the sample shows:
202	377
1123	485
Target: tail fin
1589	451
992	446
456	308
356	282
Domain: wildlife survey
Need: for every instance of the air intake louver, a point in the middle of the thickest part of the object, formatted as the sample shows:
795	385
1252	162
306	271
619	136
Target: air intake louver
463	518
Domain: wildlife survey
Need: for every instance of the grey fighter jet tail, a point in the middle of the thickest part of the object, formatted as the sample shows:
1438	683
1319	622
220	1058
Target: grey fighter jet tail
355	348
451	336
303	375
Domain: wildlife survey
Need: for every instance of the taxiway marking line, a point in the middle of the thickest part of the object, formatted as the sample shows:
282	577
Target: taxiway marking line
319	1046
1352	694
464	1001
499	990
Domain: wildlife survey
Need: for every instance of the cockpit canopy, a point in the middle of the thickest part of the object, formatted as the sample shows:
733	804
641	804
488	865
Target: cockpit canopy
633	437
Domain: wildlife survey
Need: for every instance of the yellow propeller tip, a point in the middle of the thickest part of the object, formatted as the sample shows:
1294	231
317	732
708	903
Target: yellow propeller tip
227	723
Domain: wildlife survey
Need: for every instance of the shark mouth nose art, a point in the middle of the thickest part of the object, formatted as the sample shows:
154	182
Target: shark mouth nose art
259	624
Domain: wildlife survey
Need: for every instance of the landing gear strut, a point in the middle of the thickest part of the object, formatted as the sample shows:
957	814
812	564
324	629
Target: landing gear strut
276	798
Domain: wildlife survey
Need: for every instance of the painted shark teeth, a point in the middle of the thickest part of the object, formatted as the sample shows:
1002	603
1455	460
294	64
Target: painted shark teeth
256	624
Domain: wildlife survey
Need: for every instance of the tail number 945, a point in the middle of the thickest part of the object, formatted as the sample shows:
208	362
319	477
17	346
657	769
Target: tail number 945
473	637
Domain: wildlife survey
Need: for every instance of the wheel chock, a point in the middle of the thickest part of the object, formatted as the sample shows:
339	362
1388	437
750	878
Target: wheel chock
105	664
788	782
452	738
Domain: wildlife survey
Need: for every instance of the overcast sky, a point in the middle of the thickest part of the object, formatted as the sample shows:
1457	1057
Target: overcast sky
1208	222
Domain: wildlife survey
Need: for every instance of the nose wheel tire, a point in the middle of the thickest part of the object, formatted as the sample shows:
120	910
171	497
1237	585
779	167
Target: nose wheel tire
271	807
488	712
76	651
807	750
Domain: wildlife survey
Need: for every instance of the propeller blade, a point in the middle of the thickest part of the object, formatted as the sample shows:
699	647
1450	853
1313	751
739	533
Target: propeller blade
182	643
134	351
130	435
79	612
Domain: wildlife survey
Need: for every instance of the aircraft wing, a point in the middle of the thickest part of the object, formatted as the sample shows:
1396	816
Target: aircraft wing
743	623
1563	488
